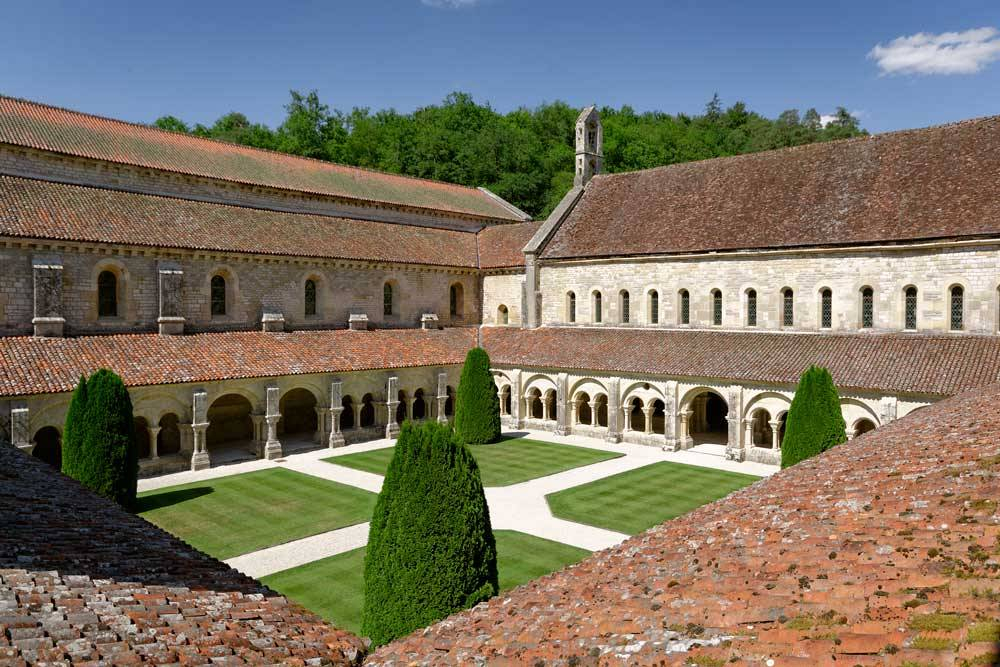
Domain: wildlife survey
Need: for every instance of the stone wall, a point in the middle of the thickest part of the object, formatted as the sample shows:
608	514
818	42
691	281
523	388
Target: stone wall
502	289
933	269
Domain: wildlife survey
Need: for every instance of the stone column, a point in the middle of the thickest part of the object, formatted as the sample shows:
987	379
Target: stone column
562	416
734	403
686	441
20	434
391	403
572	414
357	415
593	413
336	407
851	433
648	412
48	281
199	425
171	318
614	434
442	396
258	434
627	418
272	447
748	432
516	413
670	415
154	433
774	434
320	436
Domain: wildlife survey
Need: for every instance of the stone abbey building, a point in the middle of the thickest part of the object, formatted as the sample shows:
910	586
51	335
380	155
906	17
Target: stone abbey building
254	301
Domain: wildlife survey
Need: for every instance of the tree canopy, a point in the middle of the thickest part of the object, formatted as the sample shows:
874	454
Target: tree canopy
526	155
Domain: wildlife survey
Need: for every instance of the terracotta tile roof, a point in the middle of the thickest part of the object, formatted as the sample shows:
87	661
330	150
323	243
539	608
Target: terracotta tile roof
931	183
502	246
84	582
46	365
942	364
880	551
40	209
25	123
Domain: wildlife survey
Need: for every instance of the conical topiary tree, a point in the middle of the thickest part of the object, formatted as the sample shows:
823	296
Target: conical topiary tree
431	550
477	409
99	448
815	422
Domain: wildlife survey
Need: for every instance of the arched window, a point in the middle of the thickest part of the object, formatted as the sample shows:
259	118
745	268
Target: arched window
387	299
654	307
751	308
787	307
503	317
867	308
310	297
455	300
685	309
910	308
826	308
218	295
623	304
107	294
957	308
717	307
570	307
597	307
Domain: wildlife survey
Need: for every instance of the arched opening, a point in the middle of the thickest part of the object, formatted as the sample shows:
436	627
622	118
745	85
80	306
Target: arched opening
309	297
596	307
142	442
623	306
584	415
168	441
449	403
229	421
910	308
503	317
684	312
298	413
751	307
550	405
863	426
48	446
367	416
957	319
717	307
218	295
867	307
570	307
761	434
347	416
787	307
654	307
534	404
419	405
505	402
401	408
601	410
826	308
388	299
107	294
658	417
707	422
456	300
635	416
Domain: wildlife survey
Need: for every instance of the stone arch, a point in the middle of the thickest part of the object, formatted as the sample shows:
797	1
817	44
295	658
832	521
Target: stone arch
505	399
854	410
866	307
624	306
786	307
653	306
347	421
596	307
549	399
824	307
542	382
503	315
143	443
419	405
717	307
635	416
168	440
584	415
750	307
862	426
571	306
158	404
761	432
229	420
116	270
589	385
683	307
297	407
533	404
772	401
48	446
706	409
658	417
221	304
643	390
449	403
601	410
366	417
957	306
401	406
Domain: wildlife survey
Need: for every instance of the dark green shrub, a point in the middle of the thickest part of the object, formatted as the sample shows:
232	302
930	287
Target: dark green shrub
431	550
99	448
477	409
815	422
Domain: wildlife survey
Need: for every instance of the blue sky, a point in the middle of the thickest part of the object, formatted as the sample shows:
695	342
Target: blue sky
897	64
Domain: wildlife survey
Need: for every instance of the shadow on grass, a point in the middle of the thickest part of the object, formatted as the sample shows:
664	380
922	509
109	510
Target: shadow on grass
513	435
167	498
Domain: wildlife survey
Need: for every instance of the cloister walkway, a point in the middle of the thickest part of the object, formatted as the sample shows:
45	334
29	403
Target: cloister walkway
520	507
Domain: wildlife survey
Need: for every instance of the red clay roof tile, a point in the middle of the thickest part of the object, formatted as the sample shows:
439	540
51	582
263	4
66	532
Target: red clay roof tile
502	246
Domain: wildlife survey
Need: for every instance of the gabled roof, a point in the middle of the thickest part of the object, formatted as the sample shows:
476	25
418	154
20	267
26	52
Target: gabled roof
39	126
502	246
934	183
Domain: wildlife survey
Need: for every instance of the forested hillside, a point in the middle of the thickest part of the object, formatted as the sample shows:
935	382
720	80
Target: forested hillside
525	156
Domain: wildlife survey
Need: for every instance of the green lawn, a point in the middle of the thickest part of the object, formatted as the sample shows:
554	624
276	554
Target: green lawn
333	587
500	464
630	502
235	515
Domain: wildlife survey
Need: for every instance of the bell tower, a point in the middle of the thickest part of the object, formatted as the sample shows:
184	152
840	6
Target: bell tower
589	146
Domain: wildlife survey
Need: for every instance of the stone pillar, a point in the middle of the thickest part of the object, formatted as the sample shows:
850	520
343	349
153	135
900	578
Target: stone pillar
670	415
154	433
614	434
48	279
516	413
748	432
851	433
391	403
357	415
409	408
562	416
336	407
442	396
572	414
258	434
627	418
171	278
199	425
593	413
319	437
20	435
686	441
272	447
774	434
734	418
648	412
545	406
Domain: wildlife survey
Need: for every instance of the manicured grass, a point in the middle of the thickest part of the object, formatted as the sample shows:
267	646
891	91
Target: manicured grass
630	502
334	587
235	515
500	464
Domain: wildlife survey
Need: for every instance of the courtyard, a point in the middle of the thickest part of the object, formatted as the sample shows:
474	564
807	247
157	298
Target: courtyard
303	519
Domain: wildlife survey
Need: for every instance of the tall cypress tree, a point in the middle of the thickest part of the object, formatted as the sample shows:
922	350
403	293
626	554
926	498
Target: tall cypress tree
431	550
99	448
815	422
477	408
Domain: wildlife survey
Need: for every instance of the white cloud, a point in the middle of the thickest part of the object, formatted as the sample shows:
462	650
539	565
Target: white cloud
450	4
826	118
946	53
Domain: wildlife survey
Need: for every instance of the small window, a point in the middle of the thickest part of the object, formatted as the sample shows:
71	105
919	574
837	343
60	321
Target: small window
571	307
503	317
107	294
826	309
597	307
910	316
717	307
218	295
654	307
685	313
787	308
867	308
456	297
623	298
752	308
310	297
387	299
957	308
